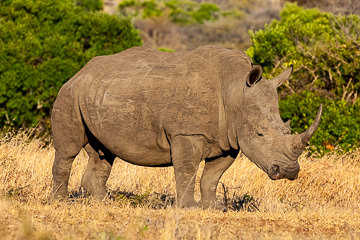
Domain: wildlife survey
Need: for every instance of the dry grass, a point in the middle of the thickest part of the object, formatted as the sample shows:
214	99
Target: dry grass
324	202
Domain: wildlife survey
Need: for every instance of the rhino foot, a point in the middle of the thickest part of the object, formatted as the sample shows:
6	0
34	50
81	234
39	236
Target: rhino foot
216	205
97	171
94	187
59	192
188	204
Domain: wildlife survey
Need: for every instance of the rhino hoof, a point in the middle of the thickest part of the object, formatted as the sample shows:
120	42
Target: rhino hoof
58	195
215	206
188	204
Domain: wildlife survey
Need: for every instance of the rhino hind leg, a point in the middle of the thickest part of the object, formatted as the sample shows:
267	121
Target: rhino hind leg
69	137
61	173
97	171
186	154
214	169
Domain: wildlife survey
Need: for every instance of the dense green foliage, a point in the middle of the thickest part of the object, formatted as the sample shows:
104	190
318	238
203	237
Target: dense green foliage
325	52
91	5
324	48
340	121
179	11
42	45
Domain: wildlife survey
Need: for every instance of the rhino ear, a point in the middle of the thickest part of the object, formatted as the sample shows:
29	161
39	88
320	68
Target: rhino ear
282	77
254	76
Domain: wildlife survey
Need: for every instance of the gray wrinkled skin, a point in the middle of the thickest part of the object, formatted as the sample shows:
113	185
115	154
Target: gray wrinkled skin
152	108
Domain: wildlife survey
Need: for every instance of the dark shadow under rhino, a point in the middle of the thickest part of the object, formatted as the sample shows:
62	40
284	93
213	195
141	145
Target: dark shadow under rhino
152	108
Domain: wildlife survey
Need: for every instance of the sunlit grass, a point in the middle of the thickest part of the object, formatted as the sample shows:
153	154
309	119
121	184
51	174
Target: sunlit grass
324	202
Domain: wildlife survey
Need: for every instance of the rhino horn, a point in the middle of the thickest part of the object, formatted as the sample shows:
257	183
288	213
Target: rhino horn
282	77
288	126
305	136
298	142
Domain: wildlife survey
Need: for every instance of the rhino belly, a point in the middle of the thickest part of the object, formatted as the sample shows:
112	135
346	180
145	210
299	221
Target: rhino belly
134	135
133	150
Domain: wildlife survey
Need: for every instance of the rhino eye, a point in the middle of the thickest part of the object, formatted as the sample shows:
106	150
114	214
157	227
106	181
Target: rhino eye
260	134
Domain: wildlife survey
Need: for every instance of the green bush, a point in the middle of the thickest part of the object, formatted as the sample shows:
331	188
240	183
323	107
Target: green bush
188	12
340	122
91	5
324	49
42	45
183	12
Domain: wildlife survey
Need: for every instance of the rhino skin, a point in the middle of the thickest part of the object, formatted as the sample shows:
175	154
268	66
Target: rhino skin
152	108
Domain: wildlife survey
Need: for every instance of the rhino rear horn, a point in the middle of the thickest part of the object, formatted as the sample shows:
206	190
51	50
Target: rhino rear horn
282	77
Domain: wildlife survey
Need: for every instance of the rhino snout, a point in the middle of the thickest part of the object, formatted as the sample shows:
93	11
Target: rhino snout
276	172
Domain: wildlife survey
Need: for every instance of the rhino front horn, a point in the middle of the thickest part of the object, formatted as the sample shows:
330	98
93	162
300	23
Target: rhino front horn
305	136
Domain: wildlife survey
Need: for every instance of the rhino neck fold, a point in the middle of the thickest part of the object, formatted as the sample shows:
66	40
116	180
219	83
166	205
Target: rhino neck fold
233	84
232	102
232	138
224	142
231	135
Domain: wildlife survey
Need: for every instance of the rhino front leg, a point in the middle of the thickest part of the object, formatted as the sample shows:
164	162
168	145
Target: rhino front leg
212	173
97	172
186	154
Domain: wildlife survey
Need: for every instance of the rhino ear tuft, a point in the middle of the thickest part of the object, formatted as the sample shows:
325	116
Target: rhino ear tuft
254	76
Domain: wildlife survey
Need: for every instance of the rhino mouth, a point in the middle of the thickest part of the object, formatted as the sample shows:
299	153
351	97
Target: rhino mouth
275	173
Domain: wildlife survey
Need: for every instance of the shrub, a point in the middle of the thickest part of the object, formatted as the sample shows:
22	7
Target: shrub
91	5
183	12
324	48
42	45
188	12
340	122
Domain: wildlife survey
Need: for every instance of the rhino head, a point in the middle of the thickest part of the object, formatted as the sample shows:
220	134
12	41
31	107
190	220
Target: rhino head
260	132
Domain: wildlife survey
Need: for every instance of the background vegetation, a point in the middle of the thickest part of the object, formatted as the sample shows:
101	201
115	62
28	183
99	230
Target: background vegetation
325	51
340	123
44	43
181	12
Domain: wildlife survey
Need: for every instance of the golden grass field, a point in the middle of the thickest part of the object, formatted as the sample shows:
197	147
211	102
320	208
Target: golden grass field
323	203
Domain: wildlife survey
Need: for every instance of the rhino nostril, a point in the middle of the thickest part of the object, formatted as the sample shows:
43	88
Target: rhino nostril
260	134
275	172
275	169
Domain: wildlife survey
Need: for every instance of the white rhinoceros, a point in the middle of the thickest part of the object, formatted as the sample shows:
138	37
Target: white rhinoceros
152	108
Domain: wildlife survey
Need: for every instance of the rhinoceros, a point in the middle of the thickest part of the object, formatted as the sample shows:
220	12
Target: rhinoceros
153	108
